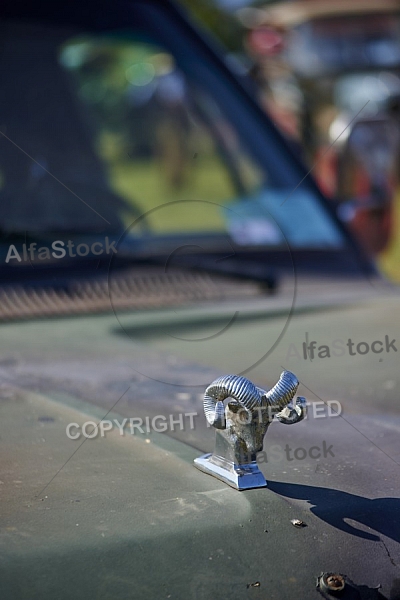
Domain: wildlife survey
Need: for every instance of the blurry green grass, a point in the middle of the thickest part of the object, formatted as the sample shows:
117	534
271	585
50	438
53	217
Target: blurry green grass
145	185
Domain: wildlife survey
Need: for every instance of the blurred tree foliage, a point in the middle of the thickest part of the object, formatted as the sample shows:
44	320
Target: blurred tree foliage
224	25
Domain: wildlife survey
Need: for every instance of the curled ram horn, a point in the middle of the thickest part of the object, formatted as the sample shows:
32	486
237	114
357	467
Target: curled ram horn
283	392
290	415
230	386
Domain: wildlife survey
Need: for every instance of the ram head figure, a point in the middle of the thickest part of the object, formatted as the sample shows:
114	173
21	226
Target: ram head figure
243	422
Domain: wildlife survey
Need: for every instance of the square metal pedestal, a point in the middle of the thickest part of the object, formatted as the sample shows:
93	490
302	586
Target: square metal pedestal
240	477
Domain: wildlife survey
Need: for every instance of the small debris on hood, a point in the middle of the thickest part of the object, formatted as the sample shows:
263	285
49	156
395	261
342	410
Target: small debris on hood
255	584
298	523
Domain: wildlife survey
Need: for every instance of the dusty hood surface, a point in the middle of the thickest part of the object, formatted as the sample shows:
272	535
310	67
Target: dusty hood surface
129	516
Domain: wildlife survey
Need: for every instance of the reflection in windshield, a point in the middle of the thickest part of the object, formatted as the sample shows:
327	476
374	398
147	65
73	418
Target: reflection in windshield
253	221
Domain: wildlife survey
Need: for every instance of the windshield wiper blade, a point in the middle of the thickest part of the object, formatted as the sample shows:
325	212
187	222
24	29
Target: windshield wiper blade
229	266
241	269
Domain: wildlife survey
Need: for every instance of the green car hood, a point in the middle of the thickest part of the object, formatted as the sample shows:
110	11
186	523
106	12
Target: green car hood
128	516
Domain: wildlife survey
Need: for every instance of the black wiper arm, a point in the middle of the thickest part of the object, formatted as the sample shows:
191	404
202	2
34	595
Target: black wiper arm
241	269
238	268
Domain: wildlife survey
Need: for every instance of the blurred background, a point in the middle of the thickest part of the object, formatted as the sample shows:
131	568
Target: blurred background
328	73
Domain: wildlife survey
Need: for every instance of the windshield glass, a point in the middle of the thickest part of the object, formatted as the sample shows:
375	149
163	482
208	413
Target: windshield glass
109	132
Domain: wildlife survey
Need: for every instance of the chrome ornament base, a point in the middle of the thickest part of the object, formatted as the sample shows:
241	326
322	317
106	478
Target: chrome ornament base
240	477
242	424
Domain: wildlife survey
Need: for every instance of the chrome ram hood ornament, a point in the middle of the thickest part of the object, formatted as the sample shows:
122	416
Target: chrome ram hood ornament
242	424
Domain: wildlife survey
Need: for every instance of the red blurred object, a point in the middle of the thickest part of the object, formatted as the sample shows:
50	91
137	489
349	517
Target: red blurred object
265	41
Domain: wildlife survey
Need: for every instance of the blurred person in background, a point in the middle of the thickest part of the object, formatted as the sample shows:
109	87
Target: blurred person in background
329	74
